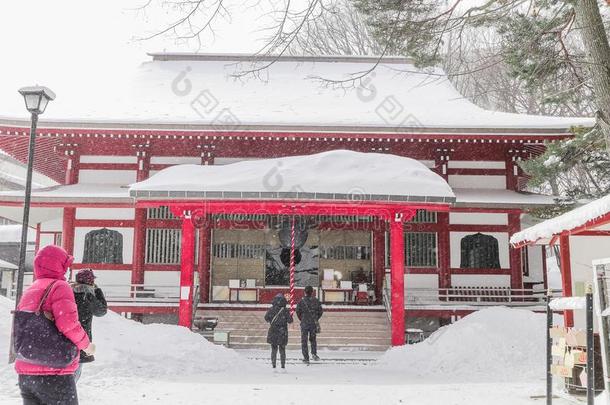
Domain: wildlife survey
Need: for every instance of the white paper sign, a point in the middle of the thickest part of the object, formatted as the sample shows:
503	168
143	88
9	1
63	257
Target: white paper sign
185	292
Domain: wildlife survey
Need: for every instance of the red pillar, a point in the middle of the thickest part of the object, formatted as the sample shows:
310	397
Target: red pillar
397	259
379	258
204	263
187	267
139	246
566	275
444	254
516	273
67	237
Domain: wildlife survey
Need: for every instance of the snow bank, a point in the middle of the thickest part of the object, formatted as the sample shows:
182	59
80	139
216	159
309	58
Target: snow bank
497	344
129	349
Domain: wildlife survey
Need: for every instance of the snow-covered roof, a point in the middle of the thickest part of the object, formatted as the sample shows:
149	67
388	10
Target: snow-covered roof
81	192
12	234
564	223
499	197
200	91
333	175
4	265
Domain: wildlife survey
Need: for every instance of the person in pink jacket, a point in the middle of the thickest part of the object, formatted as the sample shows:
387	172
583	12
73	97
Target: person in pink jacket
39	384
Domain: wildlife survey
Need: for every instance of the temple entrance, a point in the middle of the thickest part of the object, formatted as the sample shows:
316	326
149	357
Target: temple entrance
252	265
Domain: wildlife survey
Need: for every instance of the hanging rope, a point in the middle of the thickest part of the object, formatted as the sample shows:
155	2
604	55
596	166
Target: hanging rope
292	266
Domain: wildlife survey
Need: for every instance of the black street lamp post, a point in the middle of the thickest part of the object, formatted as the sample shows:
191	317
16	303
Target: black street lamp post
36	100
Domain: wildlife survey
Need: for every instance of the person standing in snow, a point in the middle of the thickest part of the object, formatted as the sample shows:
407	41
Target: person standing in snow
278	317
309	311
90	302
40	384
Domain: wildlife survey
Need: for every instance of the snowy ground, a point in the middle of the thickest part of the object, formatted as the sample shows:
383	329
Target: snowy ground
495	356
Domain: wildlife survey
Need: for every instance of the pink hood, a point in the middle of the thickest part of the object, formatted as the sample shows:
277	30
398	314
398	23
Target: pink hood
52	262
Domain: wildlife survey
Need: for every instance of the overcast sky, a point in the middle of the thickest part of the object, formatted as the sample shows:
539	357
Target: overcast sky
75	44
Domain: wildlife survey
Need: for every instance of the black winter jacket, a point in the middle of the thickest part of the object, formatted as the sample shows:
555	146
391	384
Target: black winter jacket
90	302
279	317
309	311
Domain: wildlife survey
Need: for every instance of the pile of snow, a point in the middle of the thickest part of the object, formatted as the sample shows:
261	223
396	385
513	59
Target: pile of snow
497	344
339	173
129	349
561	304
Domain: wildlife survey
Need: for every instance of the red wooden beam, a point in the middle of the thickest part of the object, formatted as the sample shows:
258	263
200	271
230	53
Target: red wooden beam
384	211
397	264
187	259
566	274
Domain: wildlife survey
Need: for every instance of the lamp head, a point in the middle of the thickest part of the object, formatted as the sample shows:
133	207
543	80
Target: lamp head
36	98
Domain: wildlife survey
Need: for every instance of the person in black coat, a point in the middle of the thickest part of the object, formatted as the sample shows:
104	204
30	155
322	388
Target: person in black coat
90	302
278	317
309	311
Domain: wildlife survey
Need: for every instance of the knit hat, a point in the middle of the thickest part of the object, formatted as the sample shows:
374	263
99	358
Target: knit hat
85	276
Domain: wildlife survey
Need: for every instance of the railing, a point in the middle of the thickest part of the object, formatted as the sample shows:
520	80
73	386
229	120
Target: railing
387	302
474	296
141	293
414	297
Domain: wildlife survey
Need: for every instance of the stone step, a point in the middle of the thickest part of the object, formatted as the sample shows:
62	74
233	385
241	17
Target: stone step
297	332
330	341
365	330
290	346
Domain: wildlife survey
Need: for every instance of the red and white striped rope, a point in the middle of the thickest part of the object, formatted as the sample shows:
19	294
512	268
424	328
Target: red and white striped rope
292	266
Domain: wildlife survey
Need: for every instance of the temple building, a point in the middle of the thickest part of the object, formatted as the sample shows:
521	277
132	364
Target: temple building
186	191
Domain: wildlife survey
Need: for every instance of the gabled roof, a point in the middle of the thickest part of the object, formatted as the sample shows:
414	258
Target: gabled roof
199	91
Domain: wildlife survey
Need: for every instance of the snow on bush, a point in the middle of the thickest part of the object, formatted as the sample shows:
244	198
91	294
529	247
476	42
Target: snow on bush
498	344
128	348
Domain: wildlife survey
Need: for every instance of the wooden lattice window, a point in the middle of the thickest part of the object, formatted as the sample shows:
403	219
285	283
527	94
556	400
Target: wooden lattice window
163	246
160	213
103	246
424	217
421	249
479	251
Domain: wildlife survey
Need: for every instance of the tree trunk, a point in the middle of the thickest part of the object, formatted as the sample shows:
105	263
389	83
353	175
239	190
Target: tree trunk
596	45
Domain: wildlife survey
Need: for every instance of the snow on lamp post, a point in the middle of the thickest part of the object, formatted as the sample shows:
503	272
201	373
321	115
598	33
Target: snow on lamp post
36	100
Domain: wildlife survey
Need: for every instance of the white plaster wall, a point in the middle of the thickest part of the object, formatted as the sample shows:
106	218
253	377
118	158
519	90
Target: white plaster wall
164	282
105	213
483	280
46	240
474	181
54	225
79	243
175	160
476	164
478	218
583	250
108	159
421	281
455	239
122	177
535	264
114	282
